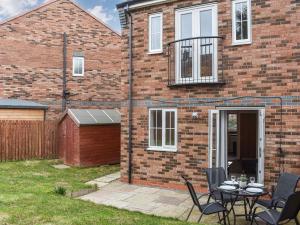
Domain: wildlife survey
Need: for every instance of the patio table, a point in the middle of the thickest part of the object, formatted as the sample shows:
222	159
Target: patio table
250	200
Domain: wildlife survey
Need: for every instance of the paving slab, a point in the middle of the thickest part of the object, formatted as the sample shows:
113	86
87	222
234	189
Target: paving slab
61	166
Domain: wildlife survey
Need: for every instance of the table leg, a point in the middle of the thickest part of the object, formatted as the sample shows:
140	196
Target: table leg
251	206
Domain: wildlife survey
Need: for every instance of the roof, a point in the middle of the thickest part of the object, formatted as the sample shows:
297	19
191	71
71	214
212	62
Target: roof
49	2
20	104
89	117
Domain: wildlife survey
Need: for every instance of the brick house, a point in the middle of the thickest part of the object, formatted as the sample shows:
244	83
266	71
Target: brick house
32	62
214	83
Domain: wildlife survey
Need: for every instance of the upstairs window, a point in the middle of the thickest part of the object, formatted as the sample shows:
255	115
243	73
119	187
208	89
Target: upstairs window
241	22
78	66
155	33
163	129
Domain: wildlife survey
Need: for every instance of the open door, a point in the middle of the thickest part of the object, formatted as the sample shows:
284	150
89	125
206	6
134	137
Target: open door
261	145
214	138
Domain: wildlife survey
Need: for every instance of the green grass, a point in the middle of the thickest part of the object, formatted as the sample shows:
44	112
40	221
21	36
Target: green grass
27	197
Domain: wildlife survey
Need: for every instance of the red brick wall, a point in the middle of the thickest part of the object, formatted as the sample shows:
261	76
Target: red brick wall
267	67
31	58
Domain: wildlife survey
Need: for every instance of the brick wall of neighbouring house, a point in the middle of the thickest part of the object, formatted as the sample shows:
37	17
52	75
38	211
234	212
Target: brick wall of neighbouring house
31	58
270	66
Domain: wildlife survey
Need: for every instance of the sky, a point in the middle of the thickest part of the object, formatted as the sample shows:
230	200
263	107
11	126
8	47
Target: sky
103	9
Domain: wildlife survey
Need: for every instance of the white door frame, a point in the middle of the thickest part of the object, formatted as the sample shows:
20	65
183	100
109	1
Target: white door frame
211	139
222	137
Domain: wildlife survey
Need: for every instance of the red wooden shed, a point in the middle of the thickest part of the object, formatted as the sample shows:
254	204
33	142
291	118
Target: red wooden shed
90	137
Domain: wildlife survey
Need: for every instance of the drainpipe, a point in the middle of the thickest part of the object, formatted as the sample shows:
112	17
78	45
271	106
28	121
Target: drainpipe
130	106
64	92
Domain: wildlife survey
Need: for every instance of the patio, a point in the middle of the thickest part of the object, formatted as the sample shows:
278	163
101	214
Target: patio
148	200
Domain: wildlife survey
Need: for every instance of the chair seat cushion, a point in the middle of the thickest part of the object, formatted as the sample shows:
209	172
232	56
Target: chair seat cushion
266	216
211	208
268	203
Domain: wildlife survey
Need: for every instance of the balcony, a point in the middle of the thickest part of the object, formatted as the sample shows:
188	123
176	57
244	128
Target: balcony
196	61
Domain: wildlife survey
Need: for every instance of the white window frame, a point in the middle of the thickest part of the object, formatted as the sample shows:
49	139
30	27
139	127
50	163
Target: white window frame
164	147
195	10
249	15
160	50
78	74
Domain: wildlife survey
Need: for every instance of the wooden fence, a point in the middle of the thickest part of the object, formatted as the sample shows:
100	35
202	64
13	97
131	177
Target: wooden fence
25	140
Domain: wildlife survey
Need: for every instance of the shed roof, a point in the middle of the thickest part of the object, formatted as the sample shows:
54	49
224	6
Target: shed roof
86	117
20	104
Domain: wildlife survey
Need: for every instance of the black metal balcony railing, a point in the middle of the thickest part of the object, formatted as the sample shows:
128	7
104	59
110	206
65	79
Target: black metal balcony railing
196	61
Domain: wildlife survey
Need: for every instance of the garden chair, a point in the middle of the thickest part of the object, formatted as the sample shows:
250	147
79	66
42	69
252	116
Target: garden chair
205	209
273	217
215	178
286	186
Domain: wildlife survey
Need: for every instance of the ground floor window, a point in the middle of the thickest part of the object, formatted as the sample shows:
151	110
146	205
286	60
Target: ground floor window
163	129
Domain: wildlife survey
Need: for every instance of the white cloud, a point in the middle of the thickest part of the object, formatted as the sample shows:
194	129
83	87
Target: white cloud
10	8
101	13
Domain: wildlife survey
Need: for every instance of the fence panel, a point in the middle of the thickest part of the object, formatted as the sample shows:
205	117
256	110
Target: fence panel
25	140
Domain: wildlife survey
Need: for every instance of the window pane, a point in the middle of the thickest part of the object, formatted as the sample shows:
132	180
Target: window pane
186	26
79	66
153	118
238	10
206	23
159	137
159	118
238	31
168	134
241	17
172	119
245	30
155	41
244	11
155	32
152	137
172	137
155	24
168	119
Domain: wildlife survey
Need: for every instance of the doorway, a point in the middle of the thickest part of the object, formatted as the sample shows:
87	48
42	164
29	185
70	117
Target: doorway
236	141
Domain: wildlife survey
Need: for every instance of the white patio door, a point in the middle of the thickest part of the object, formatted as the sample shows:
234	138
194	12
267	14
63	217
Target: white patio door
214	138
192	23
261	145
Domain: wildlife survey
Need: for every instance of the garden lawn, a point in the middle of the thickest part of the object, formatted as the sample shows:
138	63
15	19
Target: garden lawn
27	197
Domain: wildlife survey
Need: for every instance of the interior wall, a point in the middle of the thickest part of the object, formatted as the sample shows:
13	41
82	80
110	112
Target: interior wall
248	135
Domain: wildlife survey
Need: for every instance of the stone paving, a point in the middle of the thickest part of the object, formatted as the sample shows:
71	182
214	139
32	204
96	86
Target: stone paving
61	166
103	181
148	200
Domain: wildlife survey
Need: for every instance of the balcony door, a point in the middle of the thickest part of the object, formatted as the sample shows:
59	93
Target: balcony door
196	50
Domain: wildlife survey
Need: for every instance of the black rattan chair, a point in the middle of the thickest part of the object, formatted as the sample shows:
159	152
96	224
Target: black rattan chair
205	209
289	212
286	186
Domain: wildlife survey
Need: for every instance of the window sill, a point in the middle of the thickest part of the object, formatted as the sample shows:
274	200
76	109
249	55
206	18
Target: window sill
155	53
241	43
77	75
162	149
